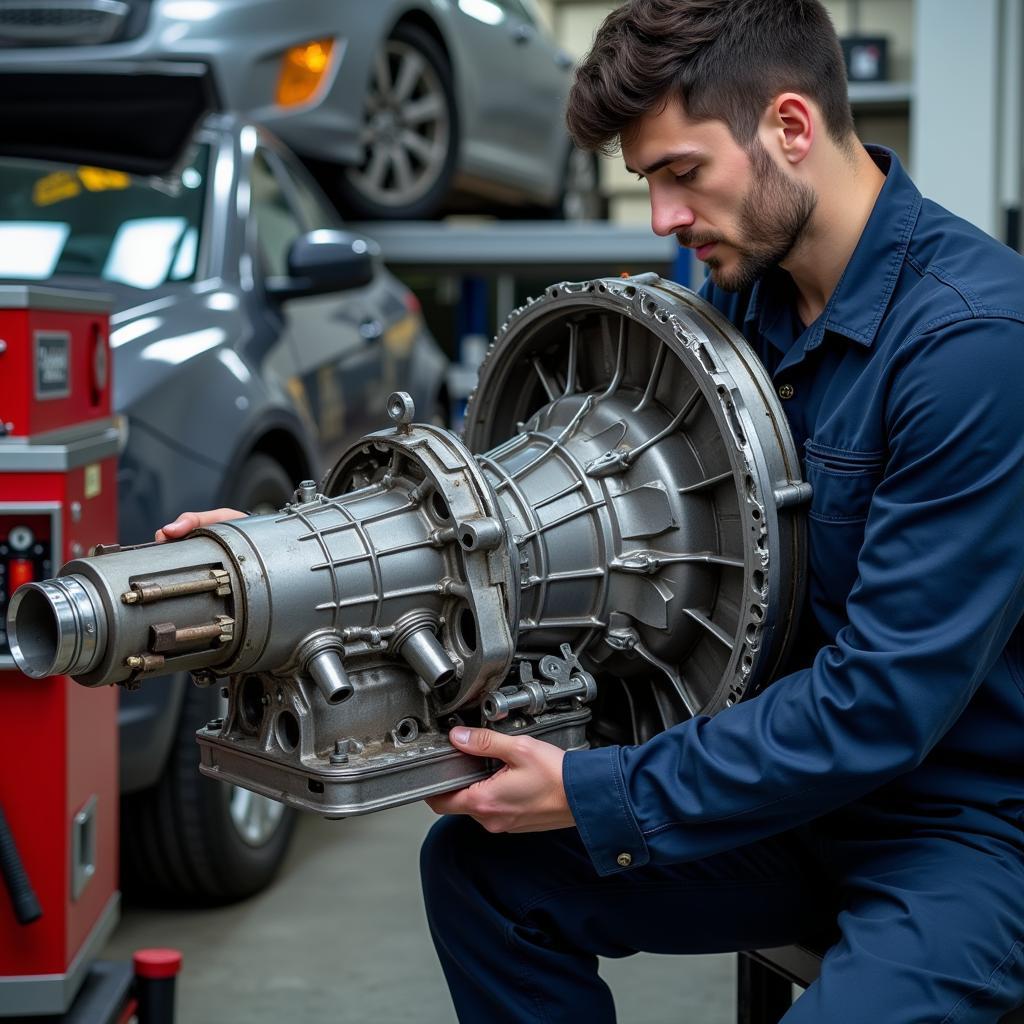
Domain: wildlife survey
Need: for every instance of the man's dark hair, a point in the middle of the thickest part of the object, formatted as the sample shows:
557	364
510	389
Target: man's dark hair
725	59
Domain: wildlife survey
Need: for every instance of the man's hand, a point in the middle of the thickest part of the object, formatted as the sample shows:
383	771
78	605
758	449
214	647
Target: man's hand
189	521
526	795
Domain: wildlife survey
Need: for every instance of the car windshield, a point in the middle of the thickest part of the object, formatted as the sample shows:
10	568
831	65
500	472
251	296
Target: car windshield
89	221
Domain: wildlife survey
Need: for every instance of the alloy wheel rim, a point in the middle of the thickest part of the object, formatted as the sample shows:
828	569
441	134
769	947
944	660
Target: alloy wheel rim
255	817
581	201
406	128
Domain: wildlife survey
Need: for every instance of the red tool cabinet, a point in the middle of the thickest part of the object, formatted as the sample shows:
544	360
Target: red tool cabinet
58	740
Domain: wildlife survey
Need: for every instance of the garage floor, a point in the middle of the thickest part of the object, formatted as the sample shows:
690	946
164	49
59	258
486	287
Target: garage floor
342	937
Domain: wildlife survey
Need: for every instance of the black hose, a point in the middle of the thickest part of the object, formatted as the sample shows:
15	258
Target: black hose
23	897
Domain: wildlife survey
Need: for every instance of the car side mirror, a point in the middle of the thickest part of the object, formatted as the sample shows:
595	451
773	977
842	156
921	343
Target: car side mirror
325	260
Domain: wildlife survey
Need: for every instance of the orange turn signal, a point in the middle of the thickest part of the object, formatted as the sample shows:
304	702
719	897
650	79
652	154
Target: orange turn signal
303	68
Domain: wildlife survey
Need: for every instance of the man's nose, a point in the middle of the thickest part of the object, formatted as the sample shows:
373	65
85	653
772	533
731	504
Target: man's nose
669	216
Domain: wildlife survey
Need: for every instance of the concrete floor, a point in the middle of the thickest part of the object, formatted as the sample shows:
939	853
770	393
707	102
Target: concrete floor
342	937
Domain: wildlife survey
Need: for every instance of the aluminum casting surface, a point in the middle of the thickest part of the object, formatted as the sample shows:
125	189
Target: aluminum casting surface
624	552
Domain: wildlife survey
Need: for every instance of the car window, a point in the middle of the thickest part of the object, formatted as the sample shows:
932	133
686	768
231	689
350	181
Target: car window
314	207
93	222
277	225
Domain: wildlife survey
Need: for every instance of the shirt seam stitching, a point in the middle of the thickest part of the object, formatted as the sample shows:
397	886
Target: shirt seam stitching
991	983
736	814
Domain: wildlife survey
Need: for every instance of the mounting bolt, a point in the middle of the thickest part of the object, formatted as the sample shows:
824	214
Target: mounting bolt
305	492
401	410
340	755
134	661
215	724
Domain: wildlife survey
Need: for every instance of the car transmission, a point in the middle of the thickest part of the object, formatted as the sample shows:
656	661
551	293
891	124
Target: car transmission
625	552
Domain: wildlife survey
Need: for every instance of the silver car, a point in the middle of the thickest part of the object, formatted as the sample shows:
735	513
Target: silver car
400	106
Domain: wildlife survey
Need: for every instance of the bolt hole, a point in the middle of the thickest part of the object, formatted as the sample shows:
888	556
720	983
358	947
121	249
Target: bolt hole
758	579
407	730
439	505
467	540
755	514
757	612
315	785
751	633
287	731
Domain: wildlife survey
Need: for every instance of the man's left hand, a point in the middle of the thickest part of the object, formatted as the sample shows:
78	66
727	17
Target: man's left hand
524	795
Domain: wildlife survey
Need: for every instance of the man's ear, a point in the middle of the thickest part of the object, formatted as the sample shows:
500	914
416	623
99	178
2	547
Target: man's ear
789	123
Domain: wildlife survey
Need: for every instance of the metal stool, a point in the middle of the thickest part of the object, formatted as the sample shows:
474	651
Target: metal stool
765	980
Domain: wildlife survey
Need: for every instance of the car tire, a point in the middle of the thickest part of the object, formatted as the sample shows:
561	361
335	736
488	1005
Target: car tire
190	837
411	139
580	198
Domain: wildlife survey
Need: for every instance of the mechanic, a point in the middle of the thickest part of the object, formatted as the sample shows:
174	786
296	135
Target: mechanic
871	798
882	778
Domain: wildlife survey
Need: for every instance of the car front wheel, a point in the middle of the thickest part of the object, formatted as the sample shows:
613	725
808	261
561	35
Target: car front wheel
409	132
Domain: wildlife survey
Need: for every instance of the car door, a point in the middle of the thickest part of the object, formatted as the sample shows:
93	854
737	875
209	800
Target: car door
522	81
334	339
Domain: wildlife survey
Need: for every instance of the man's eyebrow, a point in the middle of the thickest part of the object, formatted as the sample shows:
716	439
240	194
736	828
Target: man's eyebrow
670	158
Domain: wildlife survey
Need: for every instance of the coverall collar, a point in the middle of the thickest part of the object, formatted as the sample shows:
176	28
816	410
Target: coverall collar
873	270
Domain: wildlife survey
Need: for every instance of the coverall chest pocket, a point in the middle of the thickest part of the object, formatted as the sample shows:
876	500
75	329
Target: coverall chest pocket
843	483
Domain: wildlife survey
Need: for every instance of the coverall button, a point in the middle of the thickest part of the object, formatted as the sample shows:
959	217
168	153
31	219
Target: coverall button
624	860
786	391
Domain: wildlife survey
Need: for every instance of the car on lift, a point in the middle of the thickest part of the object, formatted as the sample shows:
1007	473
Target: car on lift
253	338
400	106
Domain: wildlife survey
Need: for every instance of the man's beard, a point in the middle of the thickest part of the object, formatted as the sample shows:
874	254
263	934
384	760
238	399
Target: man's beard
773	218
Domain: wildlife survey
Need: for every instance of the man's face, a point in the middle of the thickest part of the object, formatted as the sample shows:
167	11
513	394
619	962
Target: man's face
739	211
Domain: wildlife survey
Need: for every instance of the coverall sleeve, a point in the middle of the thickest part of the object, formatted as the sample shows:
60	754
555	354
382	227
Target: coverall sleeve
938	593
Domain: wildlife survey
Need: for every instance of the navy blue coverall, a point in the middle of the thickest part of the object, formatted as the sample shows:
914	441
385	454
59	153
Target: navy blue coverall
878	785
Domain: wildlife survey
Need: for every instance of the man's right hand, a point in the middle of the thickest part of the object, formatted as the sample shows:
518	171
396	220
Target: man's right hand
189	521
